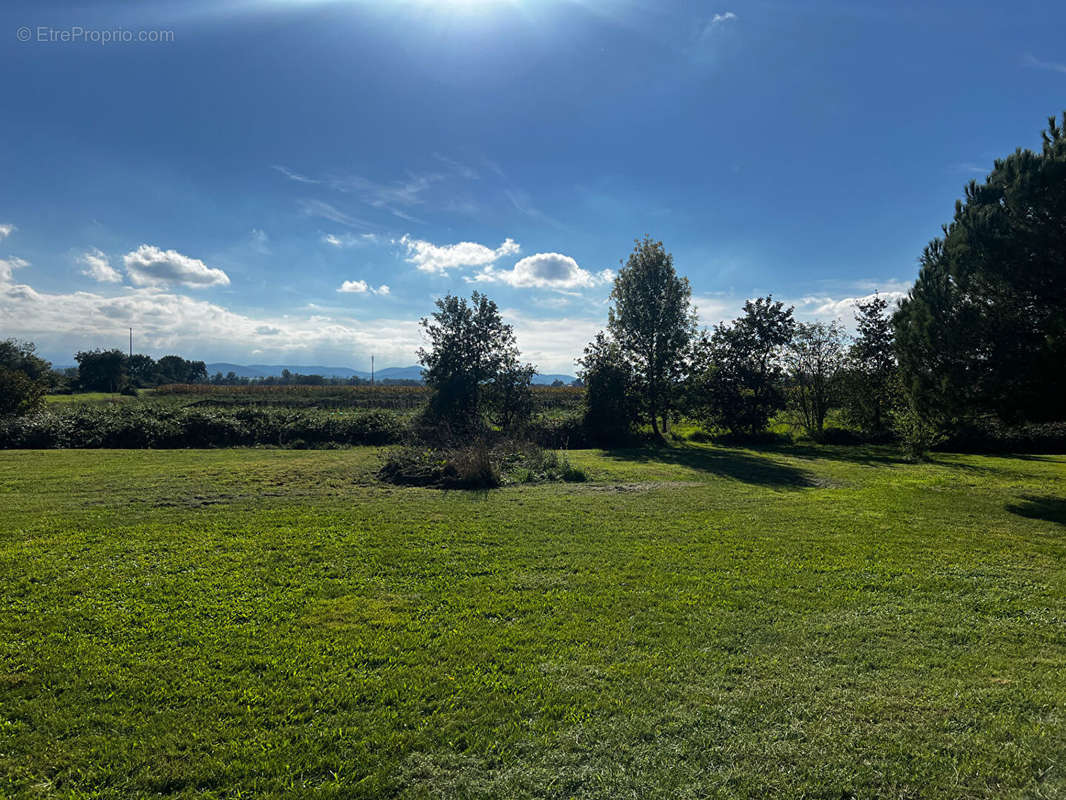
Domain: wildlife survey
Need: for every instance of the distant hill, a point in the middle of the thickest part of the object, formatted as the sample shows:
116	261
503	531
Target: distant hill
413	373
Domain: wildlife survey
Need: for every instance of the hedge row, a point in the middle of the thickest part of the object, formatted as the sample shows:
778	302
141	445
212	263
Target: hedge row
84	426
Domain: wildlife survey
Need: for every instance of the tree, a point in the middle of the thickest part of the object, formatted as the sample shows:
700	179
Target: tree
509	396
175	369
611	407
142	370
984	327
24	377
470	348
869	377
814	359
22	357
101	370
653	322
740	368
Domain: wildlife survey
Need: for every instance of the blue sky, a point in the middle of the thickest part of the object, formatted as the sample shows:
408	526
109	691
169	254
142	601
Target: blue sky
243	187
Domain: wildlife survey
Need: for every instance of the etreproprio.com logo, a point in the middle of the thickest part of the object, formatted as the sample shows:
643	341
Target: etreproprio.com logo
76	34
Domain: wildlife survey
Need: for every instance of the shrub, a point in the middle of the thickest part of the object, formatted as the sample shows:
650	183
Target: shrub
477	466
141	426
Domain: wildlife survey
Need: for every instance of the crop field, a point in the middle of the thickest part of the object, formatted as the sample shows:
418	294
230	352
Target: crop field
696	621
546	398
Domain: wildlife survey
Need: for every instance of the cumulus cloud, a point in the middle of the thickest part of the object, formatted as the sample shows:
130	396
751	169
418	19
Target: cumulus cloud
150	266
545	271
362	287
843	308
167	321
6	229
438	259
98	267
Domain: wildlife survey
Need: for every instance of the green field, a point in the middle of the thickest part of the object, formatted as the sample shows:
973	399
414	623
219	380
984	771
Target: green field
697	621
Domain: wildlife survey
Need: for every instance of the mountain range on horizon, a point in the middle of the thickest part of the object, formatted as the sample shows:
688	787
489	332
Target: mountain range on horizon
412	373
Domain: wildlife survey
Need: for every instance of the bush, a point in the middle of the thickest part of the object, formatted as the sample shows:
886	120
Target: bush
918	433
477	466
462	468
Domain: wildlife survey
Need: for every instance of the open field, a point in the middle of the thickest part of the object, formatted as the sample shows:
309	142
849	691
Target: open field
697	621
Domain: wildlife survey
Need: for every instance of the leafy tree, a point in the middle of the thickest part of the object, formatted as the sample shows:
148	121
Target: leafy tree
611	407
101	370
509	396
984	327
470	349
815	360
24	377
22	357
175	369
653	322
19	393
870	374
741	368
142	370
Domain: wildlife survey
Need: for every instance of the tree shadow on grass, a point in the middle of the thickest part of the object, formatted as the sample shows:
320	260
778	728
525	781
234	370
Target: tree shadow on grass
739	465
866	454
1047	508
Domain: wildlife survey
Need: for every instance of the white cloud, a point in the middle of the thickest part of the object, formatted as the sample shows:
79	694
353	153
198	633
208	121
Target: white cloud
545	271
346	240
293	176
260	242
438	259
166	321
6	229
98	267
362	287
150	266
1054	66
718	19
317	208
9	265
843	308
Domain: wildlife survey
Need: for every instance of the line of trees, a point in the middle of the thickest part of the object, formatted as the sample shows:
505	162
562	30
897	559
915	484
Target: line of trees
981	335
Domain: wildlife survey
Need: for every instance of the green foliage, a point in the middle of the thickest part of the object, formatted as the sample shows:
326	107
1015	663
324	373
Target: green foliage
470	349
23	378
739	369
101	370
611	404
984	327
157	426
917	430
509	396
814	361
869	381
22	357
19	394
477	466
653	322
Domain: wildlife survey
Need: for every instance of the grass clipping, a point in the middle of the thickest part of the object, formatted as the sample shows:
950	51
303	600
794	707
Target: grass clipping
477	466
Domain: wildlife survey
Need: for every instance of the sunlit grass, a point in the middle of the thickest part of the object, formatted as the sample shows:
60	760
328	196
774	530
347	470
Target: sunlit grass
695	622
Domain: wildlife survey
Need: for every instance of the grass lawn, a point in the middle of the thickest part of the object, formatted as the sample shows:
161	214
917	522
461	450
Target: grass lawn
696	622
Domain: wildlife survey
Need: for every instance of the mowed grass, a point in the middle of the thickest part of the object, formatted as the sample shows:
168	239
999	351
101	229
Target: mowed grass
695	622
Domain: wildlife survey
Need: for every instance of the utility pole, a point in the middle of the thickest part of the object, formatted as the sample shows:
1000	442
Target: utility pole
371	370
131	342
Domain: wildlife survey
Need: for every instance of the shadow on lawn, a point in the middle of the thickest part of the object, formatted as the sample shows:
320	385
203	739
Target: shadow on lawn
727	462
1049	508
